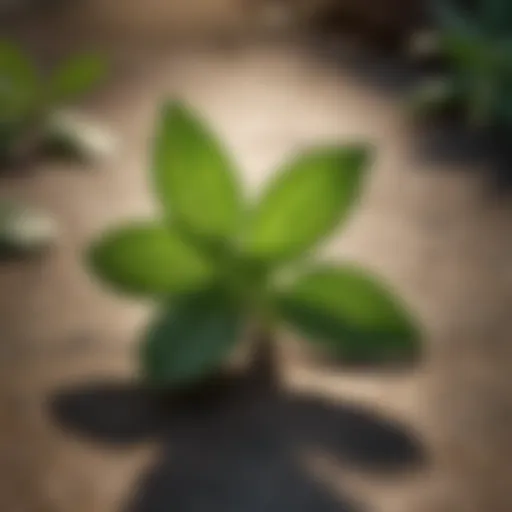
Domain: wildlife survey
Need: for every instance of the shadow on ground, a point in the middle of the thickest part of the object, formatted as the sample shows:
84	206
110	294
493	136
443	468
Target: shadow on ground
226	447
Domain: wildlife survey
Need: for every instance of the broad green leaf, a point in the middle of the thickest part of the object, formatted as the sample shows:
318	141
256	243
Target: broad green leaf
190	340
148	259
350	312
194	178
306	201
76	77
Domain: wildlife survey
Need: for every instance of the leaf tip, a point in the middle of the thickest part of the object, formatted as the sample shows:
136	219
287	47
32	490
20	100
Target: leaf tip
175	108
362	154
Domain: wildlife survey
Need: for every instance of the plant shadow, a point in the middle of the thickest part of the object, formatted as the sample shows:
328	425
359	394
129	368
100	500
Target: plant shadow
400	365
226	446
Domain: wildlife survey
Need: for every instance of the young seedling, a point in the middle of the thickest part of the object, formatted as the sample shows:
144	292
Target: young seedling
476	44
30	101
217	263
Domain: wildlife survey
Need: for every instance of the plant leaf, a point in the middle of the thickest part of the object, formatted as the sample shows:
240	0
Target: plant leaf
15	65
193	176
352	313
307	201
77	77
190	340
19	82
148	259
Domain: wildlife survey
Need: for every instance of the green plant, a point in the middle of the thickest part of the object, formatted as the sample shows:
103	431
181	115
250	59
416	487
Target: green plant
476	44
216	263
29	98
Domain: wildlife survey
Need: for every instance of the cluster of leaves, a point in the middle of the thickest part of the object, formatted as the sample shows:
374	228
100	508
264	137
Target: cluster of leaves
475	40
215	262
28	97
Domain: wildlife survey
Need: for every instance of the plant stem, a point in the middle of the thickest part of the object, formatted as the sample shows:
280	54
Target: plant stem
264	367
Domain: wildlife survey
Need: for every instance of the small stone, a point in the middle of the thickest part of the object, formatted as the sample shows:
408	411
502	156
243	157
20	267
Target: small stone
74	133
24	229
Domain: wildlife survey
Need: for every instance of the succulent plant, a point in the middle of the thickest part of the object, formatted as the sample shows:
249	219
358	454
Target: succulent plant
216	262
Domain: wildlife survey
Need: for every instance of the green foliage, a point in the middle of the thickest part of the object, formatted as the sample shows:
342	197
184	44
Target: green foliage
216	262
190	338
165	262
28	96
76	77
332	303
19	83
306	201
194	178
477	47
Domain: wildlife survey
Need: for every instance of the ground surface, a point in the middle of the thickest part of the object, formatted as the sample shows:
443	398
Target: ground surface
429	226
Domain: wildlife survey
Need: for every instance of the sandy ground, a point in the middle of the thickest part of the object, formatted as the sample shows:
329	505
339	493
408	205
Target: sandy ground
429	227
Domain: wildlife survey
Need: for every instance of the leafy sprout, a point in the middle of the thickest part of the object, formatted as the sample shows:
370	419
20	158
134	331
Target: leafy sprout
477	47
215	261
29	97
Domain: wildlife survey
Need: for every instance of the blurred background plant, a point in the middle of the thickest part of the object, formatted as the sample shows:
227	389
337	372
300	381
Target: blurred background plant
31	102
474	41
35	120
